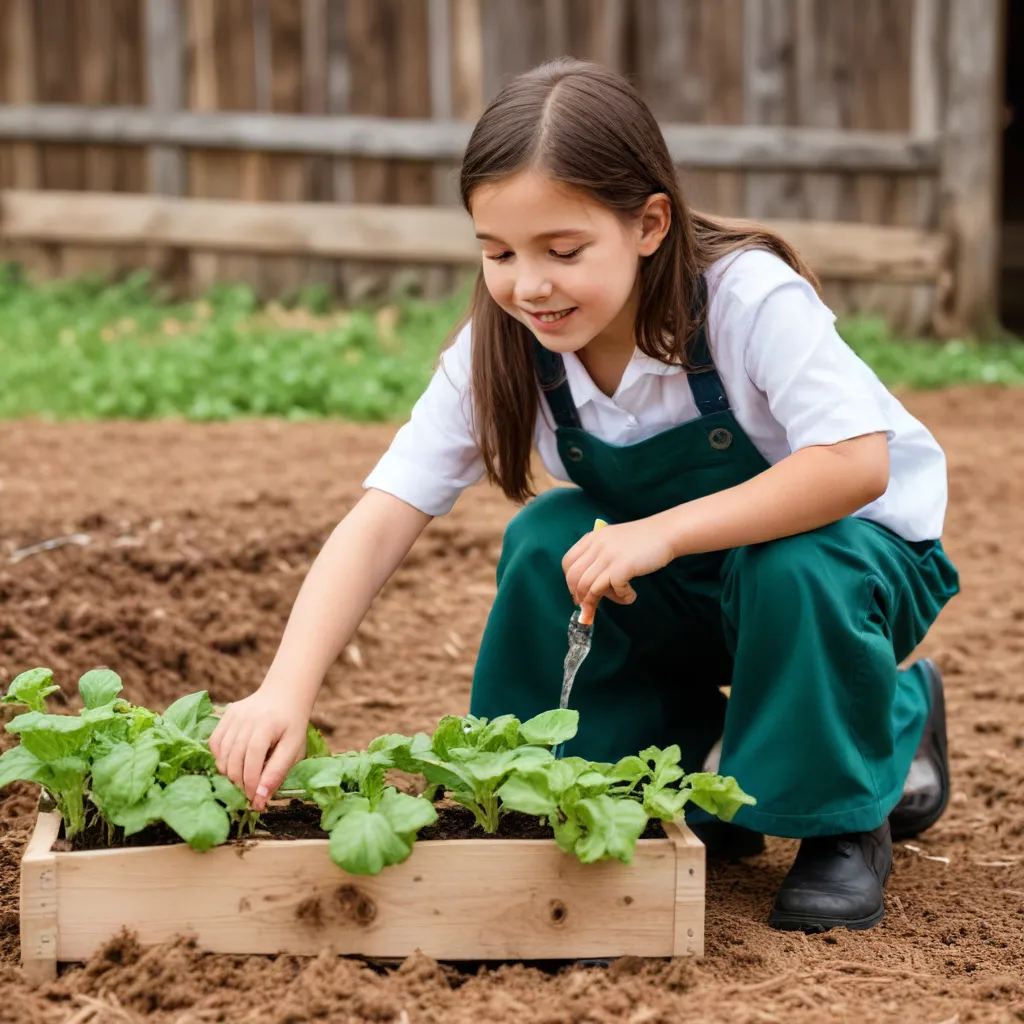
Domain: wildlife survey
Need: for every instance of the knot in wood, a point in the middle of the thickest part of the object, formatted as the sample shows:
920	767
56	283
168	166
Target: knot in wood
355	904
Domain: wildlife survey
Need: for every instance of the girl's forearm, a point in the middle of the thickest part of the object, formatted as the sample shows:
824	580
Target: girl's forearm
808	489
364	549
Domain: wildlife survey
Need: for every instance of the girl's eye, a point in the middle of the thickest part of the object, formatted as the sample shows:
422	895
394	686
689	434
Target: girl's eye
568	255
501	257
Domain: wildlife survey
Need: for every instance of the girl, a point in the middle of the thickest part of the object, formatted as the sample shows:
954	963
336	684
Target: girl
775	513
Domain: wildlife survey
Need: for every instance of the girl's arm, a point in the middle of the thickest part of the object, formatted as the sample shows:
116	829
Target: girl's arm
364	549
806	490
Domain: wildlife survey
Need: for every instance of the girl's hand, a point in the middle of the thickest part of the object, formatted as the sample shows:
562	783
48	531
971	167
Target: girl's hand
266	722
603	562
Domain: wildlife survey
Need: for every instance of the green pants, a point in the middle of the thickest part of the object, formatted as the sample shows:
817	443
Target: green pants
820	724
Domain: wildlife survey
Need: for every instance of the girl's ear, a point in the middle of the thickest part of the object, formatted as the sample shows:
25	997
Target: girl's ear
655	220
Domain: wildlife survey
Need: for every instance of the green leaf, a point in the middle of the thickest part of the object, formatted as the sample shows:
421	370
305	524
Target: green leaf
529	794
500	734
135	818
31	688
487	767
364	842
339	807
567	833
19	765
453	775
550	727
99	687
125	775
50	737
316	745
188	806
304	770
612	828
666	764
665	804
717	794
228	793
407	814
193	714
449	735
64	774
630	769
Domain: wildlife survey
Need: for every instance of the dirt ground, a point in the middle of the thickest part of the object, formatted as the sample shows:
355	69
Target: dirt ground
199	537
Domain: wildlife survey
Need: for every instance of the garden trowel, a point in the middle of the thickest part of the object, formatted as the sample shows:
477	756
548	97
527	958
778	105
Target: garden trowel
580	635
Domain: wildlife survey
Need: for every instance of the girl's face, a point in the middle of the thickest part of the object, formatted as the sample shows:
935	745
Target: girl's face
562	263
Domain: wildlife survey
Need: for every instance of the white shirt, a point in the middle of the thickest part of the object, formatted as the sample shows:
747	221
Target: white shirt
791	380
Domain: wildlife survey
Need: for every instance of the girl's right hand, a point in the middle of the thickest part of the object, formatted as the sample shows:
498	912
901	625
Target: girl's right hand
265	723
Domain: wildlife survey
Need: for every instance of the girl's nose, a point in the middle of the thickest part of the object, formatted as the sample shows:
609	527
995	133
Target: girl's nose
531	288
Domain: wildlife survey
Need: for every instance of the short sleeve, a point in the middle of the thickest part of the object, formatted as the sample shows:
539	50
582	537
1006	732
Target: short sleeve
817	388
434	456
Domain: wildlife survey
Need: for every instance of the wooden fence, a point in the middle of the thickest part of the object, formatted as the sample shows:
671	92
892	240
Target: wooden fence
289	142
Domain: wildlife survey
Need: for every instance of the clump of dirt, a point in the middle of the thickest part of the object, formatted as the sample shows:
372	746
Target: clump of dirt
199	537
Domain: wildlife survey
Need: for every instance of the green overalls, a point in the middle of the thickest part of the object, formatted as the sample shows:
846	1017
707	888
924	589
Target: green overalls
820	725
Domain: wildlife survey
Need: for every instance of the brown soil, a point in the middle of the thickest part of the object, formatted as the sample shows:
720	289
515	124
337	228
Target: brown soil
199	539
297	820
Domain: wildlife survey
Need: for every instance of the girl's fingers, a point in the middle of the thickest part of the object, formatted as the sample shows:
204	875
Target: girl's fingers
621	594
224	746
285	754
236	759
222	729
575	573
255	758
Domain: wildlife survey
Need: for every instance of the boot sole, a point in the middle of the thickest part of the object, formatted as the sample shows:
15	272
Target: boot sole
787	922
908	828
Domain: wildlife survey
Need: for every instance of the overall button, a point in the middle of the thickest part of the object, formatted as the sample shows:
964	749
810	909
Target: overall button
720	438
575	453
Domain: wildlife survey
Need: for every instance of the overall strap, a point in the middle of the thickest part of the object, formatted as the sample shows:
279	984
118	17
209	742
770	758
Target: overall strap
555	385
705	384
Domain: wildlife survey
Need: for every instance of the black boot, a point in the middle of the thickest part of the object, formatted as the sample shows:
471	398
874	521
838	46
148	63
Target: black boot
835	882
926	793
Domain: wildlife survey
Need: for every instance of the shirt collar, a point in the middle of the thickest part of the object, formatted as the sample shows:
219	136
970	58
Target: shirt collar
584	390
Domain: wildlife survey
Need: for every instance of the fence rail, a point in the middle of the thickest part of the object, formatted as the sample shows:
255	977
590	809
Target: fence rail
839	251
725	147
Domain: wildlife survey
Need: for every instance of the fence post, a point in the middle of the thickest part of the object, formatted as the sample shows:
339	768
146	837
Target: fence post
970	162
165	79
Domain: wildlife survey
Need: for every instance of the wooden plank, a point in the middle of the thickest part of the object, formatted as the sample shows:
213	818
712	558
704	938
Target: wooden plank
688	925
467	61
222	79
20	86
711	146
971	161
926	68
452	899
278	35
439	280
314	68
769	81
844	251
165	82
39	901
694	86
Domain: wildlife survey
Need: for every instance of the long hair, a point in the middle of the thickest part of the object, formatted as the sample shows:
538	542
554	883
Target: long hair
586	127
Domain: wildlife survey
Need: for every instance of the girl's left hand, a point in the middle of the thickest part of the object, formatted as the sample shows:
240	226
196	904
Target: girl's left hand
603	562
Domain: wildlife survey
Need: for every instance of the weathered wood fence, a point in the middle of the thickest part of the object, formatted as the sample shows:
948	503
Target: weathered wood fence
289	142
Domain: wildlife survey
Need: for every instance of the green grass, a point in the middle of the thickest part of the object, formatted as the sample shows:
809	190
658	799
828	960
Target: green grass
83	349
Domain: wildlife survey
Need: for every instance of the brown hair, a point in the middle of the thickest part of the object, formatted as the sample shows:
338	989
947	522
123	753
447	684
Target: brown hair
586	127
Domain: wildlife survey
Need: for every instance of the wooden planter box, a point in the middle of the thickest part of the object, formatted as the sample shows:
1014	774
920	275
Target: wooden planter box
453	899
